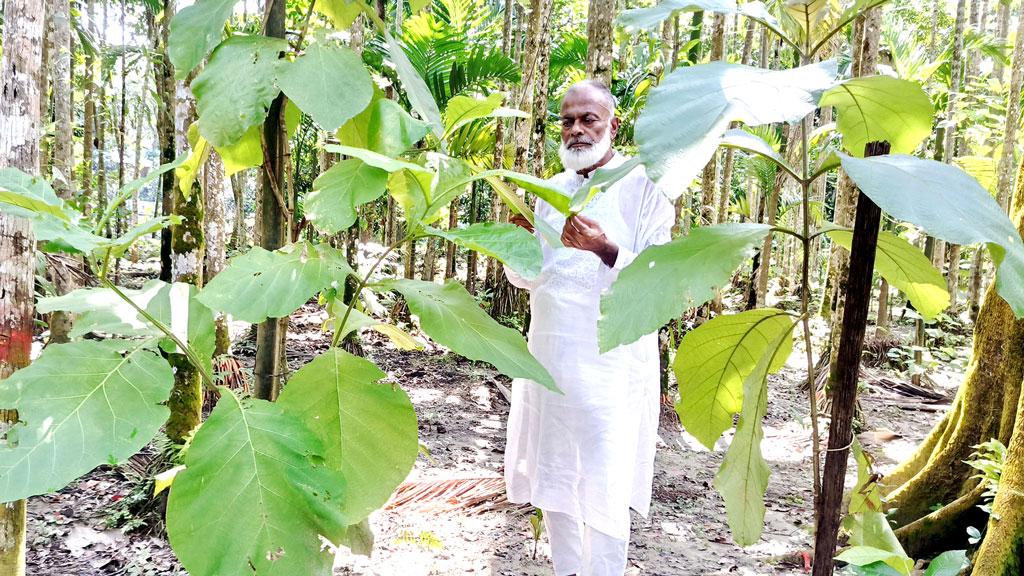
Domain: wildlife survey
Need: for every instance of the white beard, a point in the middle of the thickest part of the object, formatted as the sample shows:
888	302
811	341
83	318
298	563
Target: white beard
576	160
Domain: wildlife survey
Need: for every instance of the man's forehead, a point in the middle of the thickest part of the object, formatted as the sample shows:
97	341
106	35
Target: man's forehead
583	99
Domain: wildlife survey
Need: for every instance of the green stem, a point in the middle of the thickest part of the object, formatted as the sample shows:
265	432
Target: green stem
189	353
362	284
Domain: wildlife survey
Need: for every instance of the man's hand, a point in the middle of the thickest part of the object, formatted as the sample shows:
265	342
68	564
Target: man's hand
522	222
584	233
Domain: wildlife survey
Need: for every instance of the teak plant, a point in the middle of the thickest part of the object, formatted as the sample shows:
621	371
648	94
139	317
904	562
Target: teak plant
284	475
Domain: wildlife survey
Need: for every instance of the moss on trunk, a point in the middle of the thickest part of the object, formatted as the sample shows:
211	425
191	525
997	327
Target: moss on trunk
186	400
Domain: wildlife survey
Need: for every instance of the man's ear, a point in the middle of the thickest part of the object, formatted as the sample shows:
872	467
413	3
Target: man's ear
614	127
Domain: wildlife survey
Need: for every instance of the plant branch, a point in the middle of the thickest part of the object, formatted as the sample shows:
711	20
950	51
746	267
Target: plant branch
305	26
362	284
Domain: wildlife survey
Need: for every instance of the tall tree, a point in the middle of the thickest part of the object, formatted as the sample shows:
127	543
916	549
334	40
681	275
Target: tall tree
600	30
20	126
709	178
272	220
1004	172
63	145
959	63
163	78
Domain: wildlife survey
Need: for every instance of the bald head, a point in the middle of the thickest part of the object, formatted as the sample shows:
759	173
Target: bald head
591	89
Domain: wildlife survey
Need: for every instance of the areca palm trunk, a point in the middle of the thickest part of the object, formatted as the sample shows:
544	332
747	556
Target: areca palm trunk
19	148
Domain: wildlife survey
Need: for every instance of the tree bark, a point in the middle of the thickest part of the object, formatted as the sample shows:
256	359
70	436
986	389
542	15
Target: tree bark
268	371
238	239
986	407
88	116
599	40
846	371
1007	163
63	145
20	68
215	237
163	78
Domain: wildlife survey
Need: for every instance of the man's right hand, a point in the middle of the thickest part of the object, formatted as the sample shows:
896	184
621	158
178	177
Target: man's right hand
522	222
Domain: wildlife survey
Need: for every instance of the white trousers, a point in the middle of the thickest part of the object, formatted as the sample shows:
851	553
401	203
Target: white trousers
581	550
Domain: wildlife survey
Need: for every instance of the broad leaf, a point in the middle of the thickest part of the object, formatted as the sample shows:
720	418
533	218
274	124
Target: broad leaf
101	311
195	30
950	205
686	116
687	271
717	360
368	429
743	140
906	268
415	88
541	188
452	317
259	284
339	191
508	243
647	18
865	555
255	497
327	82
375	159
187	173
876	108
236	87
515	202
411	189
24	195
948	563
80	405
462	110
342	13
743	477
451	180
247	152
391	130
357	320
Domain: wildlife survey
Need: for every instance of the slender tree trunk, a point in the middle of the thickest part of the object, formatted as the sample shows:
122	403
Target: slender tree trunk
451	253
599	40
164	81
1002	31
63	145
882	314
1007	160
88	114
268	371
103	113
20	68
238	240
215	236
846	370
471	257
709	178
974	287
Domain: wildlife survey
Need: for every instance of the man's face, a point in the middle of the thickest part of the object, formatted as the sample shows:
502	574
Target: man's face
585	118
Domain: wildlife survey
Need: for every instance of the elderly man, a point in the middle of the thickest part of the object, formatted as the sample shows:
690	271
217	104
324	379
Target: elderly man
585	457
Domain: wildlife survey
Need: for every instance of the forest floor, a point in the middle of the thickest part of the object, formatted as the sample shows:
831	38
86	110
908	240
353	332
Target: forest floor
462	411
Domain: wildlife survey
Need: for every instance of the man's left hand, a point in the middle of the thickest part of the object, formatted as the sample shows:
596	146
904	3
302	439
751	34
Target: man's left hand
585	233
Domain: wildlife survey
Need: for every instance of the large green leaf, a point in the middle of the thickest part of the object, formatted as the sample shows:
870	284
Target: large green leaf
462	110
80	405
368	429
875	108
255	496
450	181
743	477
195	30
687	271
375	159
260	284
648	18
391	130
717	360
906	268
327	82
541	188
950	205
101	310
411	188
510	244
948	563
685	117
603	178
236	87
452	317
247	152
342	13
336	194
867	555
25	195
415	88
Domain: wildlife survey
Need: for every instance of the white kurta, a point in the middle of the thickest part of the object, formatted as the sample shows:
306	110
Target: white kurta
590	451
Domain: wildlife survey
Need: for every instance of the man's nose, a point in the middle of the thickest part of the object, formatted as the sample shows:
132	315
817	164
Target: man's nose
576	129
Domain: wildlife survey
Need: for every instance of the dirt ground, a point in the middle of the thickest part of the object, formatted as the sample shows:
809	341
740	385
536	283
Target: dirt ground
462	411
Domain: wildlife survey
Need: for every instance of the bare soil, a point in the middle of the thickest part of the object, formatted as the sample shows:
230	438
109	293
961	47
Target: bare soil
462	413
